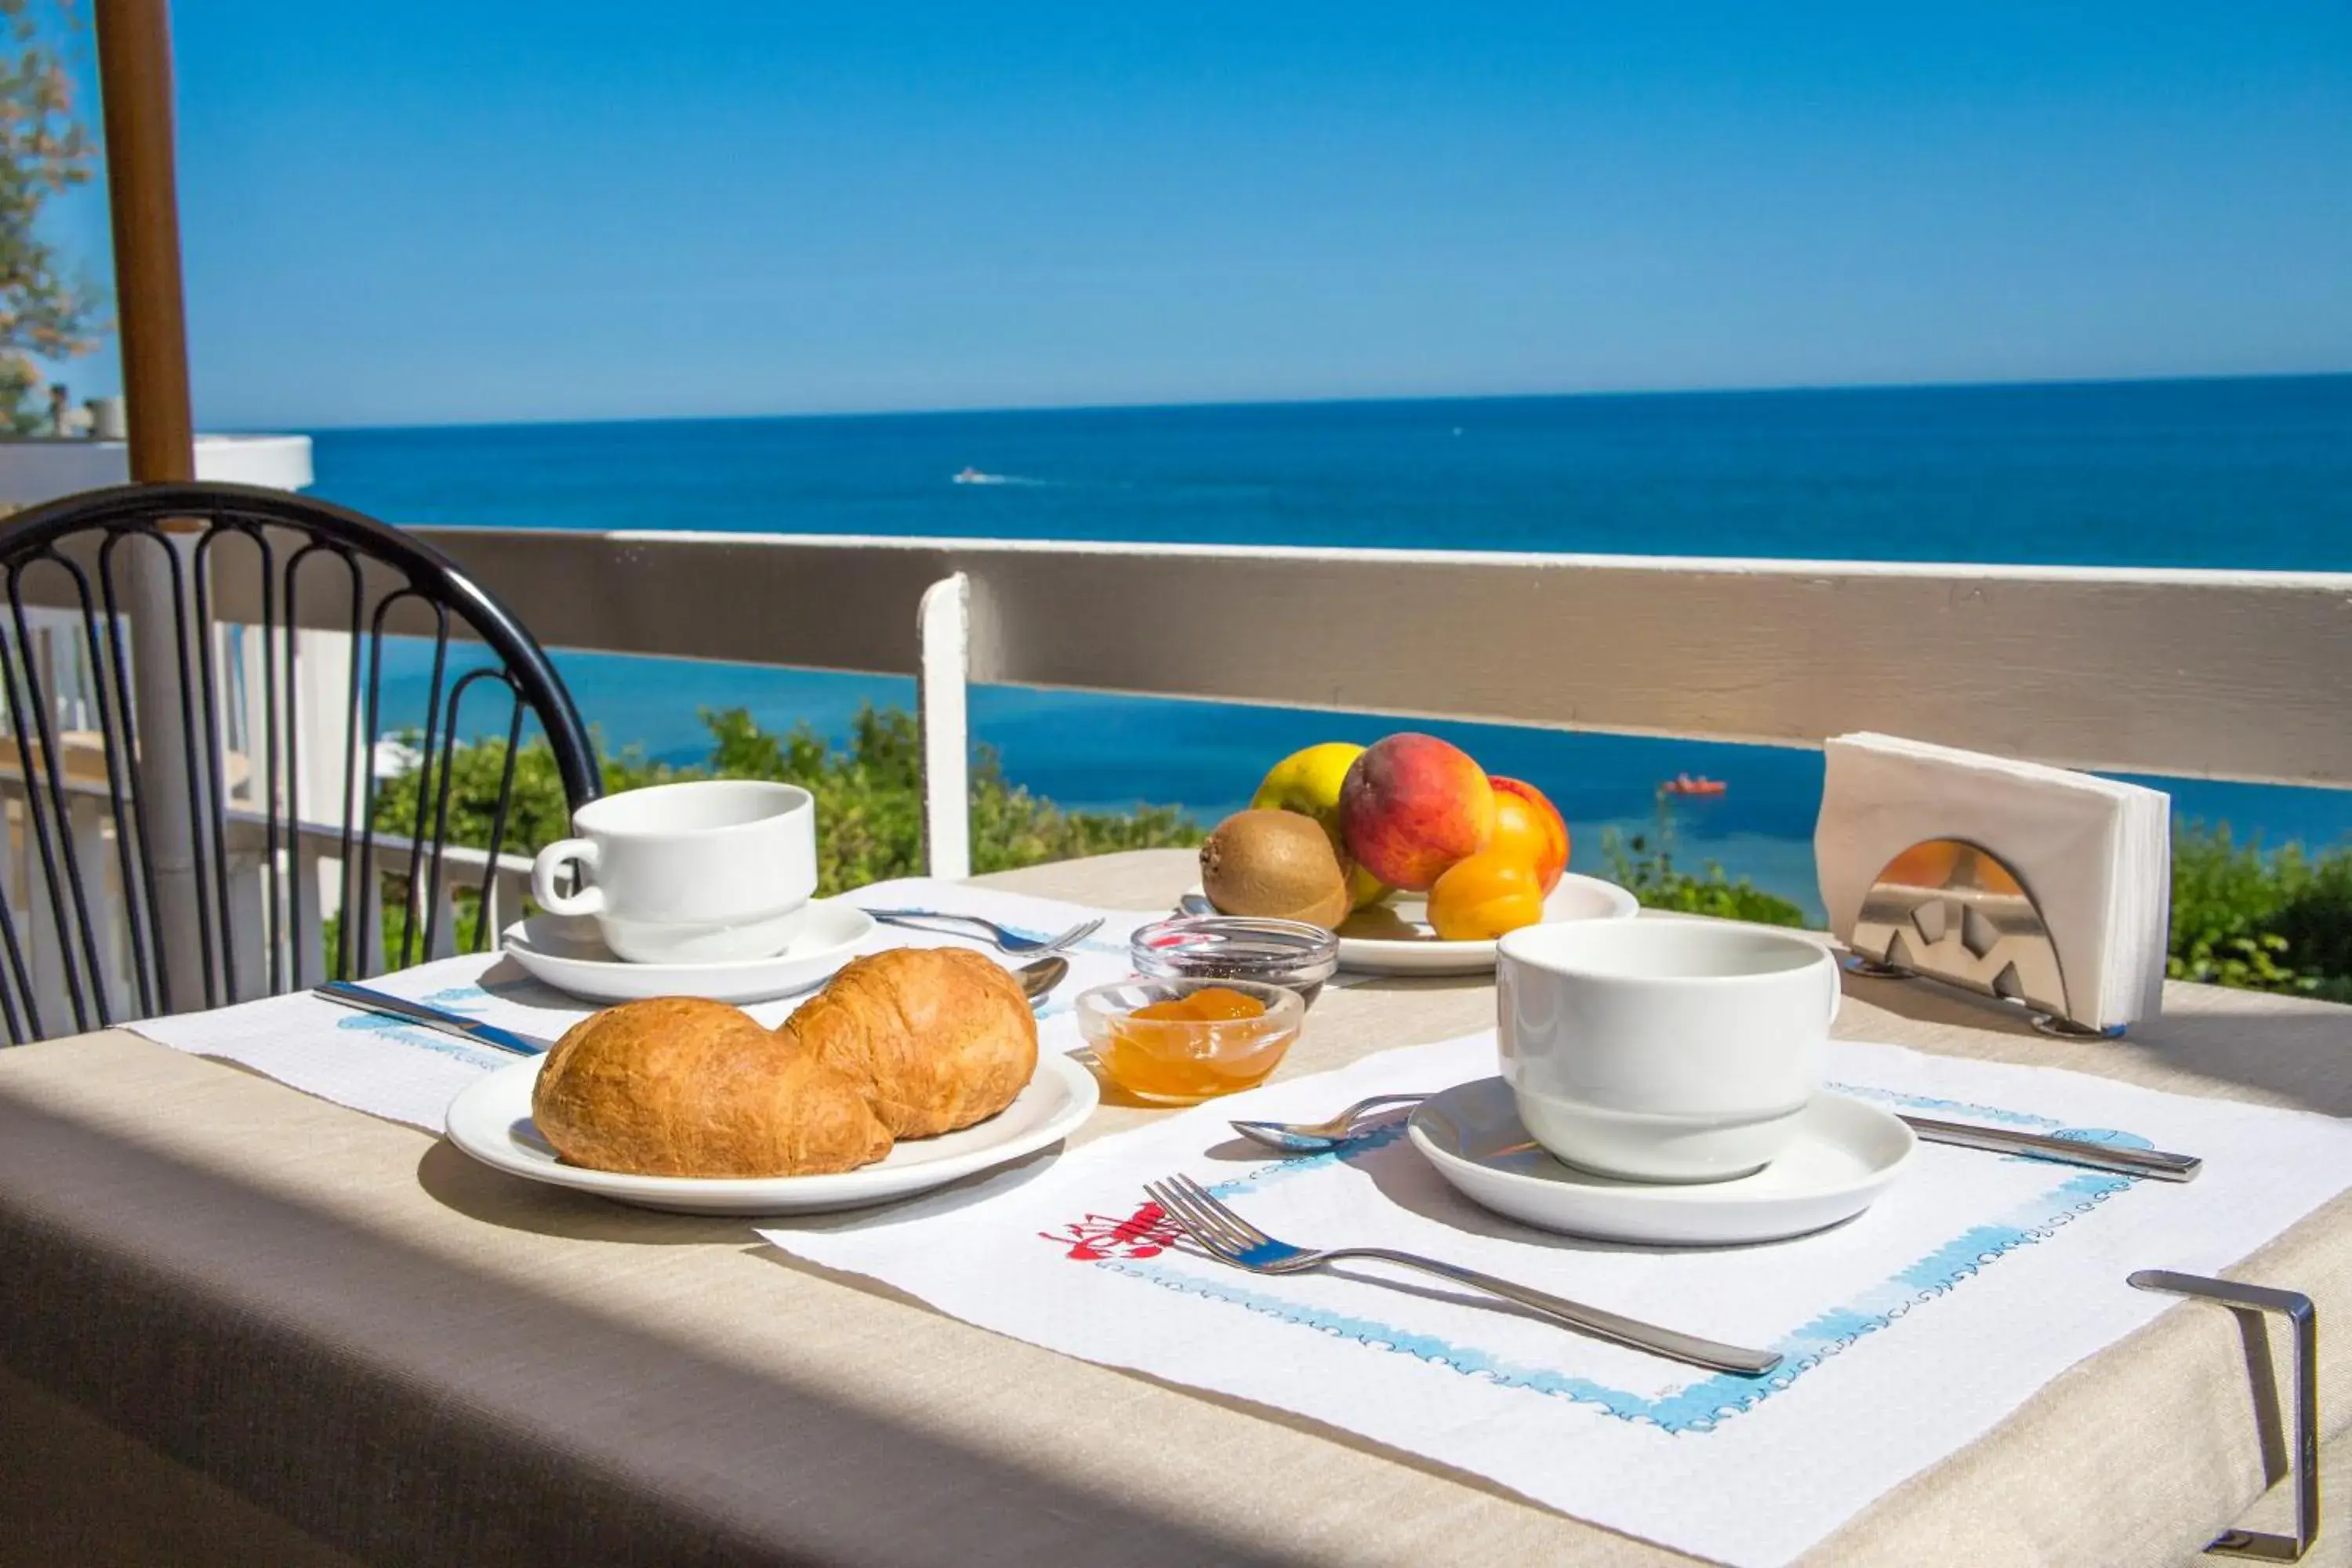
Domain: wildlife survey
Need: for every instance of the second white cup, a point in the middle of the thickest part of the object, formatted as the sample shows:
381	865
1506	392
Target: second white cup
1664	1050
701	872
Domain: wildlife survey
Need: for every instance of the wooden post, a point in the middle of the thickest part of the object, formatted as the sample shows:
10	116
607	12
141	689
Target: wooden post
134	71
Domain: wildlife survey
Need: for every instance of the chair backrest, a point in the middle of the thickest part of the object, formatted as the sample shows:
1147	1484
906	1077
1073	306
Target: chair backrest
249	740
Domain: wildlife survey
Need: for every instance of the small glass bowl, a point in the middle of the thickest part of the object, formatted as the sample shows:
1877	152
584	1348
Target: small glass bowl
1289	953
1183	1061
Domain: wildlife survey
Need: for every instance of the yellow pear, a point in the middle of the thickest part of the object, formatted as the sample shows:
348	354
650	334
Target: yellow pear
1307	782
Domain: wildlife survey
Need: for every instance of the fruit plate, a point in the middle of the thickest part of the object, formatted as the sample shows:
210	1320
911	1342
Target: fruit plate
1395	938
490	1119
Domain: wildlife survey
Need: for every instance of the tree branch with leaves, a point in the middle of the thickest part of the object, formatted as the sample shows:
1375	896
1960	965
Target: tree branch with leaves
50	309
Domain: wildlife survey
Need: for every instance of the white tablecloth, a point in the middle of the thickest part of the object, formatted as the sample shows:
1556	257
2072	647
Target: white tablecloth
1974	1281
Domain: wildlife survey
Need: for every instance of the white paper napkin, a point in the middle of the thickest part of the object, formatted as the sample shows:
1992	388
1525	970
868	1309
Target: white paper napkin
2095	854
1974	1281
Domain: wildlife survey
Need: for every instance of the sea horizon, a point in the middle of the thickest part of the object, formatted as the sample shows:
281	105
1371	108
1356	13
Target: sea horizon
1793	389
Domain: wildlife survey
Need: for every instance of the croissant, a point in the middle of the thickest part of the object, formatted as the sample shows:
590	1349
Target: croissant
682	1087
935	1038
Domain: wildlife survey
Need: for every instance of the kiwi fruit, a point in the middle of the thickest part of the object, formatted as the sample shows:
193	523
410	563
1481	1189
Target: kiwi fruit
1276	864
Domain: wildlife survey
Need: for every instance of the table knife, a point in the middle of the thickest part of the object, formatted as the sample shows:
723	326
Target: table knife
1036	979
1292	1137
2152	1162
476	1031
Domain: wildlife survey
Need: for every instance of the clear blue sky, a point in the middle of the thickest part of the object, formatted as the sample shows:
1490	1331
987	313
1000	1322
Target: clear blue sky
433	211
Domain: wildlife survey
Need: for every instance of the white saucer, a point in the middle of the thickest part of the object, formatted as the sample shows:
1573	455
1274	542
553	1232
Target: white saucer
490	1119
1846	1154
1420	951
569	955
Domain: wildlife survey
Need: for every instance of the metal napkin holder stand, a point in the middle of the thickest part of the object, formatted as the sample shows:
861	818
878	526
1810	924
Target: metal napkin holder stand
1952	911
1955	912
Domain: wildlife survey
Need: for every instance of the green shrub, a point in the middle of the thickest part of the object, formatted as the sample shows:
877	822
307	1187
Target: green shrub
2277	920
2317	925
2274	920
1645	865
870	798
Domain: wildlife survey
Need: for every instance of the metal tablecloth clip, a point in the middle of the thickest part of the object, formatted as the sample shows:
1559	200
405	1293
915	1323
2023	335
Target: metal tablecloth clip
2303	1462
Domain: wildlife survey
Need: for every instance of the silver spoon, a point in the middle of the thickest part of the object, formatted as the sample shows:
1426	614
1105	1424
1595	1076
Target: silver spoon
1309	1137
1038	979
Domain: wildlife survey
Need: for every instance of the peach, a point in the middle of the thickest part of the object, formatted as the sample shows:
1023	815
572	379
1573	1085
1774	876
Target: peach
1411	806
1524	817
1477	900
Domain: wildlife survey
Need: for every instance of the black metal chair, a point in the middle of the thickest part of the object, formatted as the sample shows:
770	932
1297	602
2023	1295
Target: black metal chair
172	661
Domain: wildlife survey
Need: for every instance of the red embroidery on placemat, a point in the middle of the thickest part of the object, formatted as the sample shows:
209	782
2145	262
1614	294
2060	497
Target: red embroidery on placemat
1145	1233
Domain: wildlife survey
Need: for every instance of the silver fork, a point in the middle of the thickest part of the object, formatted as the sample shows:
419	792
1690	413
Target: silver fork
1227	1236
1002	937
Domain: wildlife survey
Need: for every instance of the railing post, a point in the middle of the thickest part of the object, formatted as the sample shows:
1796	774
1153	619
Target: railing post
160	604
943	630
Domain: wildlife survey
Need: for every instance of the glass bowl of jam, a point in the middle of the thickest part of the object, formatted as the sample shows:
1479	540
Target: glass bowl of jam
1289	953
1179	1042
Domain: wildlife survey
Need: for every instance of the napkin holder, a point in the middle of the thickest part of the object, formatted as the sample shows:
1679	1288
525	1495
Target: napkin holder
1954	911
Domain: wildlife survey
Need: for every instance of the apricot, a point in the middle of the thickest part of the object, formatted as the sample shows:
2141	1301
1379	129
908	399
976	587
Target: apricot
1411	806
1480	899
1222	1004
1209	1005
1526	820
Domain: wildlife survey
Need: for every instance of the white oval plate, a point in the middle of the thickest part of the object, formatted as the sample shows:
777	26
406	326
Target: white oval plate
1418	950
569	955
1846	1154
490	1119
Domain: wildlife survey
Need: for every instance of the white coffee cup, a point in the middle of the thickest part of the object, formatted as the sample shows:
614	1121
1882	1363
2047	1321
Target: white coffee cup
1664	1050
699	872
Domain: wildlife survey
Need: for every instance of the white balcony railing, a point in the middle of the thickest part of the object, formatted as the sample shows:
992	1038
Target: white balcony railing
36	469
2238	675
2235	675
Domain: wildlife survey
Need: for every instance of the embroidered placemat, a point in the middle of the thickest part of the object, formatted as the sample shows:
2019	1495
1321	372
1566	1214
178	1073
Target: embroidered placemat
396	1070
1909	1332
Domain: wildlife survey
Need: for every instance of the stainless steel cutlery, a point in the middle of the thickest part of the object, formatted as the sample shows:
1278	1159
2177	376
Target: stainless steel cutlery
1308	1137
1230	1239
1005	939
384	1004
1036	979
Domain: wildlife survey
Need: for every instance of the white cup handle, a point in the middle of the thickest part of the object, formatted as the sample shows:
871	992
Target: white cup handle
1837	987
554	858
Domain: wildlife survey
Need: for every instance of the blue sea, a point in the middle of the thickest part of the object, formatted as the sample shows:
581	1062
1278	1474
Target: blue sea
2249	472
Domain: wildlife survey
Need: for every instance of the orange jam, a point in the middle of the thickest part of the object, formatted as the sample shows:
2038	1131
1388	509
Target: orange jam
1211	1042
